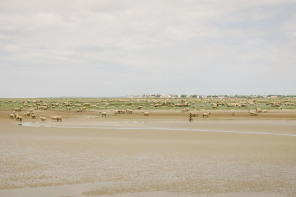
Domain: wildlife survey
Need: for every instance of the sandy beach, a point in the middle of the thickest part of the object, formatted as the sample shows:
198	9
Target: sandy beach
128	98
162	154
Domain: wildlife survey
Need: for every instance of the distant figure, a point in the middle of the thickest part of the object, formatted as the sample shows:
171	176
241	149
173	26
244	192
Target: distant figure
190	117
233	114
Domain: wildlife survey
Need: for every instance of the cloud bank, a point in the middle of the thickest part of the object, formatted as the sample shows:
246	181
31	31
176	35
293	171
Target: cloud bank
123	47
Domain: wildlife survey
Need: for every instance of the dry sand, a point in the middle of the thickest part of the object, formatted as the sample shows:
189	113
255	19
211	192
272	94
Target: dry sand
159	155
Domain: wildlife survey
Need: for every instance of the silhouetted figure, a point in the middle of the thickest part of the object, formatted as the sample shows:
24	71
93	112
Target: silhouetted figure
190	117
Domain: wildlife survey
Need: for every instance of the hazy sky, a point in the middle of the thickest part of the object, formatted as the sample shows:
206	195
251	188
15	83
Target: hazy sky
124	47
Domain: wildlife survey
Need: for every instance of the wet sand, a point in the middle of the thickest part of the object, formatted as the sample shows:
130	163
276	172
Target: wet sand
160	155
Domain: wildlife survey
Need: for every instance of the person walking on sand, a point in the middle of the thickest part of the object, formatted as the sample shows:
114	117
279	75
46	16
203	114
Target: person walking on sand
190	117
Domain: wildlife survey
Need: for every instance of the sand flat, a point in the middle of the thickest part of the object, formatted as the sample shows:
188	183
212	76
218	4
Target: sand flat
165	156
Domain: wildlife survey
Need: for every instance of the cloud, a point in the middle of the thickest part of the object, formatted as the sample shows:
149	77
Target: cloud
124	47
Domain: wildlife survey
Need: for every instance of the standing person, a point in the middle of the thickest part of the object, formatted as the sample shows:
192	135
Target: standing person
190	117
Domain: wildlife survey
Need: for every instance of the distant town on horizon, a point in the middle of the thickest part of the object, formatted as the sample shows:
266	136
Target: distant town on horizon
207	96
183	96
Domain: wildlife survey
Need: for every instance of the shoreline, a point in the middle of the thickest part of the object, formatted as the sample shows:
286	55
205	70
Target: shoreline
286	114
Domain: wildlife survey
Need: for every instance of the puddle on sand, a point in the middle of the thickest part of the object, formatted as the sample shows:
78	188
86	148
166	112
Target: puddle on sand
77	190
31	124
169	194
52	191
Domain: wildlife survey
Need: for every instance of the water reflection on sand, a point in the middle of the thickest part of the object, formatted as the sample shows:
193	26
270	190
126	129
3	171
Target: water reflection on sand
78	190
148	158
161	125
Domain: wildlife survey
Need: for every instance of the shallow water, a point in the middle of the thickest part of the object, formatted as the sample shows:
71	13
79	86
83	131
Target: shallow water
140	125
51	191
121	164
77	190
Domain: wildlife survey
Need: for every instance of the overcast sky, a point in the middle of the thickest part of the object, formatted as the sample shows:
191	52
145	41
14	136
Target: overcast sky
127	47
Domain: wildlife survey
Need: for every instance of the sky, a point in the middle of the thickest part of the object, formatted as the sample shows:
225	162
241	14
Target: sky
108	48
